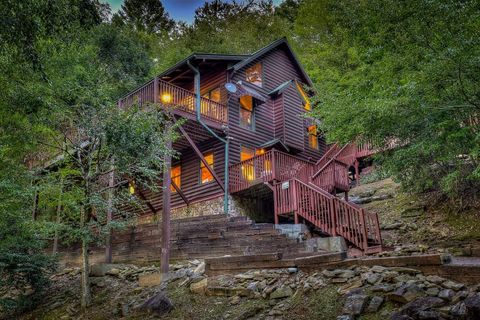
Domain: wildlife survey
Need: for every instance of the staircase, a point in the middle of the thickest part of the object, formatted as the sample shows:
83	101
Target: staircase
307	191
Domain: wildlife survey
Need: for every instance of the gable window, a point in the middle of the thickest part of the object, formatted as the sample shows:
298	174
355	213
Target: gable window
254	74
312	137
205	175
246	112
175	174
213	94
306	101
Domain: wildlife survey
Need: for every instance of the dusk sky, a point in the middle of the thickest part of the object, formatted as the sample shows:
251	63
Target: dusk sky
178	9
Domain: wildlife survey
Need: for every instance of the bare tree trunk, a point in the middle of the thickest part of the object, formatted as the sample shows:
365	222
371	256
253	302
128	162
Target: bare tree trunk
165	254
86	296
59	218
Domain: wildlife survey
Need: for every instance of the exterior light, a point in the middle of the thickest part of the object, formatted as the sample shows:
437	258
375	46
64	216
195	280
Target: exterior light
166	97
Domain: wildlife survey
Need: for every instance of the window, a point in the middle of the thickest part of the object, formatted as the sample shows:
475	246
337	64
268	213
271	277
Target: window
131	187
205	175
246	112
248	168
175	174
312	137
254	74
213	94
306	101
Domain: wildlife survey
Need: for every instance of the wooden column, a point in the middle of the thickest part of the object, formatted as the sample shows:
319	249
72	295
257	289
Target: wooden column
167	180
108	246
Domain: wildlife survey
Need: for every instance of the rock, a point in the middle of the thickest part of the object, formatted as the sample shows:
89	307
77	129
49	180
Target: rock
435	279
200	269
292	270
235	300
375	304
446	294
373	278
355	304
392	226
150	279
433	291
252	286
459	310
417	309
113	272
406	293
282	292
339	280
453	285
473	306
345	317
99	269
97	281
244	276
350	286
199	287
405	270
378	269
381	287
347	274
159	304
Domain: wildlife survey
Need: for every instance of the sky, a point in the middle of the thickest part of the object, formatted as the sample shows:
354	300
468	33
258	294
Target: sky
178	9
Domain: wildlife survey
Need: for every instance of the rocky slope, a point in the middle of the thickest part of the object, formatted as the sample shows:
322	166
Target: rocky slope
366	293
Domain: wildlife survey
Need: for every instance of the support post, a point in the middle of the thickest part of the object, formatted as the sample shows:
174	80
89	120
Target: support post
225	178
167	181
346	196
295	201
357	173
108	246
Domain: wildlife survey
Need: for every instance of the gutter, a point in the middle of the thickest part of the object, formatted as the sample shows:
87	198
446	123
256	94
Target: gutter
199	119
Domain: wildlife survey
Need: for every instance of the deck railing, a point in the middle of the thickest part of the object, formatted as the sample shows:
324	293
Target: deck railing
171	95
270	166
328	213
333	175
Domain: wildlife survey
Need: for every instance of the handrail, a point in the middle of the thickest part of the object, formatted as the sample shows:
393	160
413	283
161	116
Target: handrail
331	160
172	95
329	213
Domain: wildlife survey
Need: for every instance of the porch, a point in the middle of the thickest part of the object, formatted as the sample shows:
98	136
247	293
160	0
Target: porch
181	101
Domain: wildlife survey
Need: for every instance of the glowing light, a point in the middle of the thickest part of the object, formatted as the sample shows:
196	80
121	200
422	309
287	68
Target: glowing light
131	187
166	97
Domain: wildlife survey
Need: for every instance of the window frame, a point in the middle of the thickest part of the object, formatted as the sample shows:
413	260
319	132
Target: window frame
309	135
262	74
202	166
208	94
179	185
241	125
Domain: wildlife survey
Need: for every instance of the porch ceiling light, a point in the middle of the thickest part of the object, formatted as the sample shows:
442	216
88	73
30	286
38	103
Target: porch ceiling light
166	97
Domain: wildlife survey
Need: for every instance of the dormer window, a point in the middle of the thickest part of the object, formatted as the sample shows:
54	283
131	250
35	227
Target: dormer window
254	74
247	112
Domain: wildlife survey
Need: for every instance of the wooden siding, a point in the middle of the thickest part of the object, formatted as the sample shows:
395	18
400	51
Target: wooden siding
294	127
278	118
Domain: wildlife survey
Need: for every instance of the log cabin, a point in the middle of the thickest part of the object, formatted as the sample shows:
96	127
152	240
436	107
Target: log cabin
248	147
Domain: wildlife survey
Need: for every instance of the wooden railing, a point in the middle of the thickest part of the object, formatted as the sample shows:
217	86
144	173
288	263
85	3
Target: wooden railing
333	175
270	166
170	95
328	213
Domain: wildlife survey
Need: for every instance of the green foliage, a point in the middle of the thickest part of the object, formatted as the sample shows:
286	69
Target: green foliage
144	15
403	72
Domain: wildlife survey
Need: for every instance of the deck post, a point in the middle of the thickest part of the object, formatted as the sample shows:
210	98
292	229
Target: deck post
167	180
275	205
333	217
295	203
108	246
357	173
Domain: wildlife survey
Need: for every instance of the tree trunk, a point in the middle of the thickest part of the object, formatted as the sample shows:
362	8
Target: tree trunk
86	296
59	218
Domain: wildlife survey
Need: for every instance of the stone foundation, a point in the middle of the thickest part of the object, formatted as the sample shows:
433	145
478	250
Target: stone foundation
257	210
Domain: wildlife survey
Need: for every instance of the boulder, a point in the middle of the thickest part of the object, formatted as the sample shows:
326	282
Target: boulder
453	285
159	304
473	307
375	304
435	279
355	304
459	311
282	292
419	308
200	269
100	269
199	286
446	294
406	293
150	279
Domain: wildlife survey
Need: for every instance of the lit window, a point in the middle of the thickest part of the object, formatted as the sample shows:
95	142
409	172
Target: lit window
205	175
175	174
246	112
213	95
312	137
306	100
254	74
131	187
248	168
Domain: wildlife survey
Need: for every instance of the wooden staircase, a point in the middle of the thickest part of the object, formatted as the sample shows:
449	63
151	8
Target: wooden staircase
308	191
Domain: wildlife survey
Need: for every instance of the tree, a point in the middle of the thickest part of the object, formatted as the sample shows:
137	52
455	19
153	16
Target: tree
405	72
146	16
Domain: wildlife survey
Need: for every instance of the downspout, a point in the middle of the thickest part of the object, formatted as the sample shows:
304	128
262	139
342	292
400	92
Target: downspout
199	119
